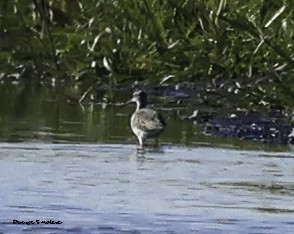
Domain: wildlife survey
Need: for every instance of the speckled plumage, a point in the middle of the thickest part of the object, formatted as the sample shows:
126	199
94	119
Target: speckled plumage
145	123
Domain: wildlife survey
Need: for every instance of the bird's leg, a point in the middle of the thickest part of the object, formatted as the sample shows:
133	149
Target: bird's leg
141	142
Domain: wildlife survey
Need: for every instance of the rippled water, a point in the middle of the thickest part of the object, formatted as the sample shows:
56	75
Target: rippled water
118	189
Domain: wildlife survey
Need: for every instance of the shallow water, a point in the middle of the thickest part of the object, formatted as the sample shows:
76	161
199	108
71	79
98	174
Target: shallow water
79	165
117	189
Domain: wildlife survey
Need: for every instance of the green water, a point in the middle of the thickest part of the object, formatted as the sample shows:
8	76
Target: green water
52	115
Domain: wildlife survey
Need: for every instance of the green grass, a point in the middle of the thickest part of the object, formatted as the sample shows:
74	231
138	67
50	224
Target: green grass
245	46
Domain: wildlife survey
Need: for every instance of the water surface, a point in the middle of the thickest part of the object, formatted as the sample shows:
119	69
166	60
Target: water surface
79	164
116	189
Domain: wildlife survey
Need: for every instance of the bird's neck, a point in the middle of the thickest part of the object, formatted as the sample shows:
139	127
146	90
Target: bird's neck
140	105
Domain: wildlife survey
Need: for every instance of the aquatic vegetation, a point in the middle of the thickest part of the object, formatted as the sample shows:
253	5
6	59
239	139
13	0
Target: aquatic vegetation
235	48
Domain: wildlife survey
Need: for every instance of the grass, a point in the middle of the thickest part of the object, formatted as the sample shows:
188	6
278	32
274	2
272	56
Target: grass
244	47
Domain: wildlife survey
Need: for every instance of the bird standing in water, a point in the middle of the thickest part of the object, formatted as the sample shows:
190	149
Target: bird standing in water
145	123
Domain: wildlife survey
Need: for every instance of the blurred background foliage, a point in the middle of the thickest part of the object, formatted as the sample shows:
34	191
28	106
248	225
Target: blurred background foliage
237	47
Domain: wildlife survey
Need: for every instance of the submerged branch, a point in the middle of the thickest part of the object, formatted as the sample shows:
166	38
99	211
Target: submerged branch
88	91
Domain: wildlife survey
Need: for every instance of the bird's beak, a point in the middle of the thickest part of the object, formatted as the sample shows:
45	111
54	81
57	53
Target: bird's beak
130	101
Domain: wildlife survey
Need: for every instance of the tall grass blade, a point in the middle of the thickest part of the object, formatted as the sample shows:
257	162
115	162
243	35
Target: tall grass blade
275	16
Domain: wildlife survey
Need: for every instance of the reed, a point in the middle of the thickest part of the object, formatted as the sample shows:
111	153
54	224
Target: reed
245	46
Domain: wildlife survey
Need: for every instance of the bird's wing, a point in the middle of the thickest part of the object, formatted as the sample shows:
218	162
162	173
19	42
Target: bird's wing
149	120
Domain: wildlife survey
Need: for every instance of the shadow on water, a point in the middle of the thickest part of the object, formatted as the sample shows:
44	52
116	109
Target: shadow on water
148	149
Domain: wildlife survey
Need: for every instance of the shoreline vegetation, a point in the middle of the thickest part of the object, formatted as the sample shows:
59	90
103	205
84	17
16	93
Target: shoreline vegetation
240	51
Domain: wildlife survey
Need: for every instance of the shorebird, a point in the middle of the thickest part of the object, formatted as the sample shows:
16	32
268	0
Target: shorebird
145	123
